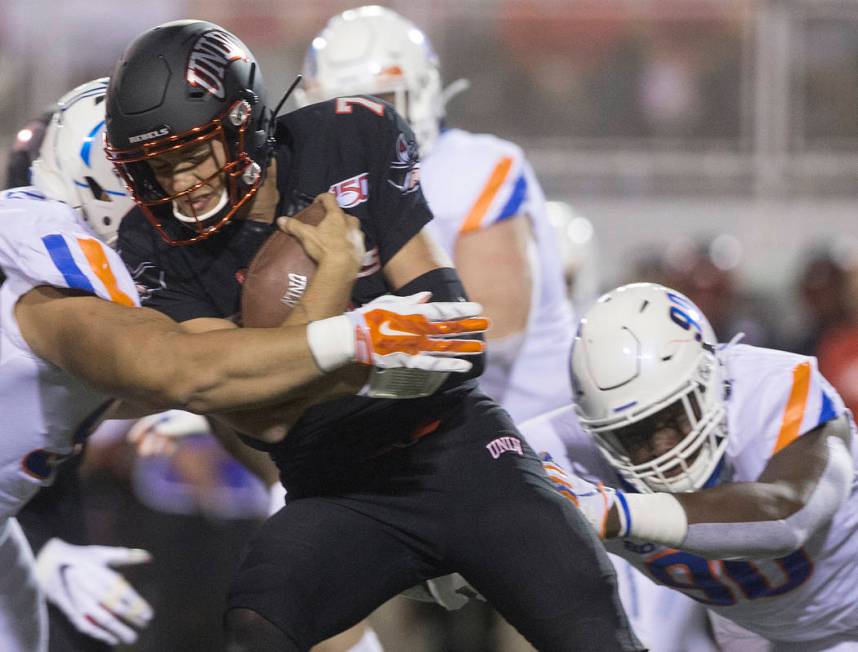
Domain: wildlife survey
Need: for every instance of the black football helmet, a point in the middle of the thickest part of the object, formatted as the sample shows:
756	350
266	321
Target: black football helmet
178	86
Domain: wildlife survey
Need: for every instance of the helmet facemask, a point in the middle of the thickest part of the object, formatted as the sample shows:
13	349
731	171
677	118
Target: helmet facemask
235	177
693	419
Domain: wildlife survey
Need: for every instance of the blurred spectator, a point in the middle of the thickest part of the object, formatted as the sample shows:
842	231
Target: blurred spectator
837	350
822	290
706	271
24	150
647	266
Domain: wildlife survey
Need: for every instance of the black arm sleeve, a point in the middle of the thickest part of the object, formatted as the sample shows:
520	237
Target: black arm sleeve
445	285
396	200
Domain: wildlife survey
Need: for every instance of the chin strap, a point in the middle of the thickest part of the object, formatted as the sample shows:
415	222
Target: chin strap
224	197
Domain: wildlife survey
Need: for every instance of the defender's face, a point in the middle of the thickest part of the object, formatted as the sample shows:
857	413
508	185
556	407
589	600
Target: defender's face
196	168
655	436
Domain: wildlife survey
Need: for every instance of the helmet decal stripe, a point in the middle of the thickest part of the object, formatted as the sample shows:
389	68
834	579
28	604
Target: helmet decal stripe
87	144
626	406
94	89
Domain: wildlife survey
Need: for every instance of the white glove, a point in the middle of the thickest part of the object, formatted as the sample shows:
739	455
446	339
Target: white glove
594	500
450	591
97	600
156	434
394	332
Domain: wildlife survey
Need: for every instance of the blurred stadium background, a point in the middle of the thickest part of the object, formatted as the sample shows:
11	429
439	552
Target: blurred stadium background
709	143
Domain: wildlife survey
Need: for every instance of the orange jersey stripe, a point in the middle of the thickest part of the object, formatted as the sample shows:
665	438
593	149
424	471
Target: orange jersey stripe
481	206
794	412
99	264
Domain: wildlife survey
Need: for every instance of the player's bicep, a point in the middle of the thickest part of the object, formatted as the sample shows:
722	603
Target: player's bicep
206	324
100	342
421	254
785	487
494	265
800	465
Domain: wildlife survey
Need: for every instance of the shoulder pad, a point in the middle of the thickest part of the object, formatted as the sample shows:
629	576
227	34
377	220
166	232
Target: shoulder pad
477	179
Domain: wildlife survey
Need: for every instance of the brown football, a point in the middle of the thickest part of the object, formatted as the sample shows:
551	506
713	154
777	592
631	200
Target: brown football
278	275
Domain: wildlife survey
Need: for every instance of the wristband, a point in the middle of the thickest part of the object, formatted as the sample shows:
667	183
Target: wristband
656	518
331	341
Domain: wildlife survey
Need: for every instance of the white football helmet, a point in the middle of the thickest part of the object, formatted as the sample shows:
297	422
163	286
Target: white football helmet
372	50
72	166
644	358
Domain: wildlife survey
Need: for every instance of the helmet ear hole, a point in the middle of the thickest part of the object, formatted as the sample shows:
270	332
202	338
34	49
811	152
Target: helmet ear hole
96	189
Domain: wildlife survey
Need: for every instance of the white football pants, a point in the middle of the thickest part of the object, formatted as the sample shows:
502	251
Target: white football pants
23	613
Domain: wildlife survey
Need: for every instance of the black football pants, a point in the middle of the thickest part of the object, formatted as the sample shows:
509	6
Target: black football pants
471	498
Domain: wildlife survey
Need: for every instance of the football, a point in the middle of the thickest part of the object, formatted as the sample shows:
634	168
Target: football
278	275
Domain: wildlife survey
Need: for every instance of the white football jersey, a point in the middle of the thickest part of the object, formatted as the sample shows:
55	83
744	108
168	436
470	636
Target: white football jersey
471	182
45	410
774	398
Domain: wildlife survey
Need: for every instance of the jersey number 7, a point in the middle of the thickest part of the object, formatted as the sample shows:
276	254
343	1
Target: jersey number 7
346	105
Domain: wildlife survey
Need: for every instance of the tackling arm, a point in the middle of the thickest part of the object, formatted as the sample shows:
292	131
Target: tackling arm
143	356
798	492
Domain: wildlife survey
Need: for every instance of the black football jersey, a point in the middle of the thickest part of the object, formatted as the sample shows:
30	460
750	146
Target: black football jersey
363	151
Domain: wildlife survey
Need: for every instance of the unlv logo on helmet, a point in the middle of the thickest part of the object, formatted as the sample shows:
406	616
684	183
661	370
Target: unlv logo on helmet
209	58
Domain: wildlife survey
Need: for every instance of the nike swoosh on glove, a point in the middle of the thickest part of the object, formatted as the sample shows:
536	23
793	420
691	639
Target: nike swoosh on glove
96	599
400	332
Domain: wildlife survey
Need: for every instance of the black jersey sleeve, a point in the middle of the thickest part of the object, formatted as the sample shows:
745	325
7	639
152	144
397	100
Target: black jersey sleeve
161	287
396	202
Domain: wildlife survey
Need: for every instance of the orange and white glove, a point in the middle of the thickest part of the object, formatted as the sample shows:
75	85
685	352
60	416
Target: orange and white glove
409	342
594	500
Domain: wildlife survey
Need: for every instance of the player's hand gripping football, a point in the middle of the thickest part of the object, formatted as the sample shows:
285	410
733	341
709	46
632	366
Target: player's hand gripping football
96	599
594	500
336	238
